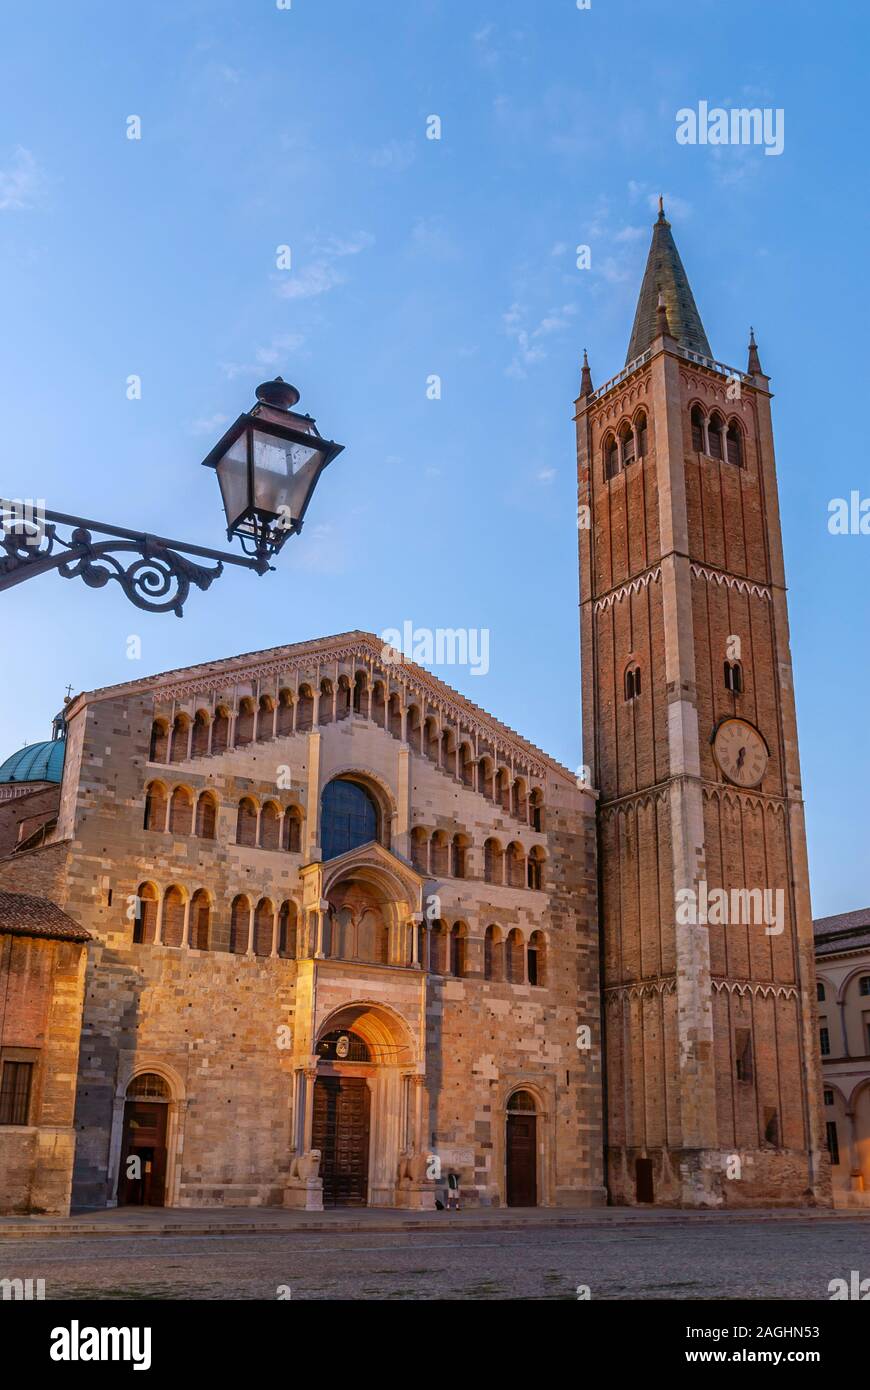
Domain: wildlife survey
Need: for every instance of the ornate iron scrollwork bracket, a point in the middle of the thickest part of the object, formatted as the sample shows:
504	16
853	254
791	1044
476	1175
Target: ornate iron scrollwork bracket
158	580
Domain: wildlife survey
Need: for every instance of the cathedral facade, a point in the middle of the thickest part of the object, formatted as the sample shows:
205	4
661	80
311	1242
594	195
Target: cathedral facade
351	941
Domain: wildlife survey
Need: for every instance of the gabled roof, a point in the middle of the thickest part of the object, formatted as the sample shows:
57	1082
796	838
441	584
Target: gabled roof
23	914
177	683
665	274
847	931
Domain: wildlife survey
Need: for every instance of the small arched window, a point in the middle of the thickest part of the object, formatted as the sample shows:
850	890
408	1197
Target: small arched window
270	826
348	817
632	682
626	439
293	830
155	806
343	699
240	921
181	812
420	849
414	729
305	709
379	704
285	713
611	458
265	718
864	985
536	868
515	958
537	959
173	917
493	870
287	930
734	444
715	430
516	866
458	945
536	810
394	715
820	992
492	954
206	816
200	920
431	739
484	778
458	857
263	920
180	739
439	949
439	855
145	923
698	429
733	677
324	710
640	431
220	734
246	823
360	686
245	722
466	763
159	748
199	740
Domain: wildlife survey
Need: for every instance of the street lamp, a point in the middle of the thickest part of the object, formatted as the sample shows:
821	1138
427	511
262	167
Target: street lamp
267	465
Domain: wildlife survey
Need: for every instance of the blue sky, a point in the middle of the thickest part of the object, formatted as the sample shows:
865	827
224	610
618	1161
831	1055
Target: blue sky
306	127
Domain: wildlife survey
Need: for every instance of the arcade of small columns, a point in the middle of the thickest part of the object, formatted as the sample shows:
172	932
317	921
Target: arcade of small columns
462	749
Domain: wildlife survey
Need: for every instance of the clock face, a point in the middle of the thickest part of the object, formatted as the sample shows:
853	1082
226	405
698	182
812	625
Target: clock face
741	752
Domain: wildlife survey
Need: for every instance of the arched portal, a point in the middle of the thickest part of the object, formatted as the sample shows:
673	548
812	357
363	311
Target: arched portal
142	1174
362	1113
521	1150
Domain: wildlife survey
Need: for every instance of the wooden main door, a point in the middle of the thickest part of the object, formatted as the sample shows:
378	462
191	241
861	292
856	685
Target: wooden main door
522	1145
143	1183
340	1131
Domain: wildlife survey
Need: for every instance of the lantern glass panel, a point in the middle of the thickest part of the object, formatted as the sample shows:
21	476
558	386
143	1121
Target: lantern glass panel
232	474
284	473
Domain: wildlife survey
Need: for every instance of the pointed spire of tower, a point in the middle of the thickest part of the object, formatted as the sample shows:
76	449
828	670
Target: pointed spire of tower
754	366
585	377
665	274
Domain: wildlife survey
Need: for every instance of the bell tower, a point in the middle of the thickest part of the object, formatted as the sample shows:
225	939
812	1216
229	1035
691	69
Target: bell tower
713	1088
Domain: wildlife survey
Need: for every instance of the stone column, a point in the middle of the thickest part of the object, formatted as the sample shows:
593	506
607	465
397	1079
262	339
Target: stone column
310	1078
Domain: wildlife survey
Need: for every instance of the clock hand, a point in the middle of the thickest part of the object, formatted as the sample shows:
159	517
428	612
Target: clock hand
740	756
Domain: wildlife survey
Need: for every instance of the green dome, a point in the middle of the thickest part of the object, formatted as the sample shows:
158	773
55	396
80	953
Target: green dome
37	762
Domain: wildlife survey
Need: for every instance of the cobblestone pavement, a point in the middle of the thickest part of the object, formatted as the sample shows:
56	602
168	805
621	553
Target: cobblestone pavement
681	1258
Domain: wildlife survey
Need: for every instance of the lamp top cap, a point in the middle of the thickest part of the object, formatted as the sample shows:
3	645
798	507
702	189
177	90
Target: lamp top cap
278	393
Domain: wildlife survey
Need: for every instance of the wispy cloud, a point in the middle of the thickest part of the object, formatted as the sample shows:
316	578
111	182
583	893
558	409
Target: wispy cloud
273	354
528	341
395	156
321	271
22	182
430	239
210	424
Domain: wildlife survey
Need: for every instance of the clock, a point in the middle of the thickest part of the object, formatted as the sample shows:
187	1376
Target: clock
740	751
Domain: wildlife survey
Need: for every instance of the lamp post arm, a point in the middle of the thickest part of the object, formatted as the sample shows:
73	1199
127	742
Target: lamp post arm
158	581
